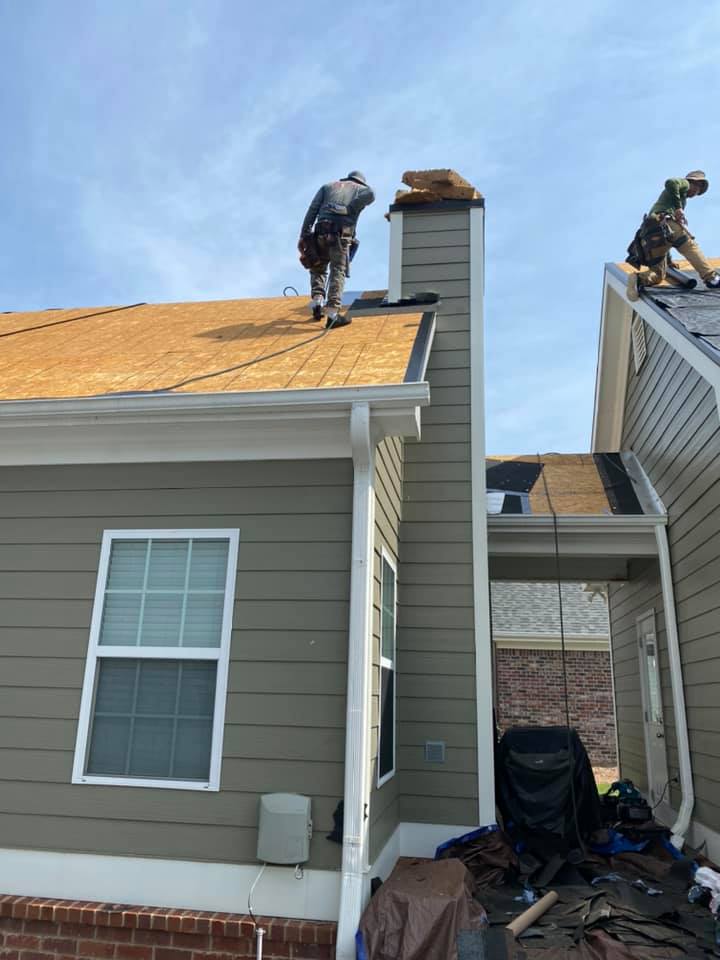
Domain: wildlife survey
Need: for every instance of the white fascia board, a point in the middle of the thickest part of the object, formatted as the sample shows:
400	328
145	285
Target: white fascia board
623	536
684	347
612	371
261	425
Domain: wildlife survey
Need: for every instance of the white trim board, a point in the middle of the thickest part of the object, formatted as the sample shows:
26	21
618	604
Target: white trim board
184	884
396	252
411	839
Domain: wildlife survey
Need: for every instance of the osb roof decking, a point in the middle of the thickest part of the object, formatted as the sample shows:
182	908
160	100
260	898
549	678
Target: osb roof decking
573	482
150	347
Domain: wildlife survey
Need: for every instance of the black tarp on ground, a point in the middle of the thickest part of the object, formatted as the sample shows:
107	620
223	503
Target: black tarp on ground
534	767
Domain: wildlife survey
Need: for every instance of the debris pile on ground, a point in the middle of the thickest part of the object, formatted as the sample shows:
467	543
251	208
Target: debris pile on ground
431	186
566	877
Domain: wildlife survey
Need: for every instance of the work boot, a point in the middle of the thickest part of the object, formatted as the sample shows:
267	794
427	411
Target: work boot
335	319
713	282
316	305
633	287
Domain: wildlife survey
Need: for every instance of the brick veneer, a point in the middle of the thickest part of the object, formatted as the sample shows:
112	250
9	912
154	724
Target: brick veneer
38	929
530	691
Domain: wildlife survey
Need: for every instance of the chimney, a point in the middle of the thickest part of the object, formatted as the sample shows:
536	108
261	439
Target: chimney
444	647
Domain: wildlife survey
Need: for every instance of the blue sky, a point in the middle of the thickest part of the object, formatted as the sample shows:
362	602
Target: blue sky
167	150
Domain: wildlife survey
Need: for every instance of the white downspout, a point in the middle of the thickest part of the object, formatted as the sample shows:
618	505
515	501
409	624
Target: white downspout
357	737
682	823
481	586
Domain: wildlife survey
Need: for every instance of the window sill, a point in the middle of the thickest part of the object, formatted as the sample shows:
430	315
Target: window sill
207	786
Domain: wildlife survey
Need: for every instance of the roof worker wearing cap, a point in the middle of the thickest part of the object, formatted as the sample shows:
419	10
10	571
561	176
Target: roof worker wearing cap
665	228
329	231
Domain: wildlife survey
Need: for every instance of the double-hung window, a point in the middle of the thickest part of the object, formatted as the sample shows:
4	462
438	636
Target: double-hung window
388	607
153	701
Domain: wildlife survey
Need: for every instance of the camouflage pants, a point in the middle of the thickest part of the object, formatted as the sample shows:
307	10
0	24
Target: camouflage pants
334	249
682	240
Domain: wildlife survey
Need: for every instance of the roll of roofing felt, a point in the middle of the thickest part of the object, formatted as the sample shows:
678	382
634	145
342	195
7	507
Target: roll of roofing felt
527	919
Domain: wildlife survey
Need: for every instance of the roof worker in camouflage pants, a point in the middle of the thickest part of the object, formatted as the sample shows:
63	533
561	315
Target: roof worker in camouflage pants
333	214
665	228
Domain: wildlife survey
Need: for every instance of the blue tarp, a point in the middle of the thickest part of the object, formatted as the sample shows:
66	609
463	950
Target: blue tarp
466	838
618	844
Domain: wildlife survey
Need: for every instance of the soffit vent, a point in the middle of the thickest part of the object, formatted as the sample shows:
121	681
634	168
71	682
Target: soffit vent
639	347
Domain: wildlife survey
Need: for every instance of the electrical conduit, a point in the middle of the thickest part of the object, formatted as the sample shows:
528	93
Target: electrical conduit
357	738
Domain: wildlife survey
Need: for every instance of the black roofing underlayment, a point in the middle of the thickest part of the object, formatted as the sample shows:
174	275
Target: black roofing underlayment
518	476
697	310
618	486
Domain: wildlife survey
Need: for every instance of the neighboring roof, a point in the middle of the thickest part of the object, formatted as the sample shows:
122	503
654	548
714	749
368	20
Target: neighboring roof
578	484
140	348
533	608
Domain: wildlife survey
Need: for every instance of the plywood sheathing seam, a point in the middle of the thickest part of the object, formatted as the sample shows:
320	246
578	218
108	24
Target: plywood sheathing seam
152	346
573	482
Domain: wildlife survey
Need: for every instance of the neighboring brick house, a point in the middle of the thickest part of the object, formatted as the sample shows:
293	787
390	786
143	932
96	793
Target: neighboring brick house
528	661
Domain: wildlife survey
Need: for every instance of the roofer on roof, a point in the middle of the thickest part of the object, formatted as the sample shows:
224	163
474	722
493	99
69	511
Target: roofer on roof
327	238
664	228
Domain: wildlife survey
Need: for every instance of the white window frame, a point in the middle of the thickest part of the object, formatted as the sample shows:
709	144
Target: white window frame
387	664
220	654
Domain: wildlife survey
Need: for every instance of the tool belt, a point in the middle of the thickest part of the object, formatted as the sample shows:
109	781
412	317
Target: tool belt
310	256
326	228
651	243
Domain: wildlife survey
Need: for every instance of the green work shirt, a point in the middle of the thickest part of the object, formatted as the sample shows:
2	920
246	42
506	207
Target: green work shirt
673	197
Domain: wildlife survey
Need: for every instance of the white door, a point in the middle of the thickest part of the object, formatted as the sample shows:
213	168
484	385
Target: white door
655	750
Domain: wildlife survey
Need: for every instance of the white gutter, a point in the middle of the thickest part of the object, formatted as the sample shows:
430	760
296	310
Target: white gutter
357	737
251	403
258	425
680	828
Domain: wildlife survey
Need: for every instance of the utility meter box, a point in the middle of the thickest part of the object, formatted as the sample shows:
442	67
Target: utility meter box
285	828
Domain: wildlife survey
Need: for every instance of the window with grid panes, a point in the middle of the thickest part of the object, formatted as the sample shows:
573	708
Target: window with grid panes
153	699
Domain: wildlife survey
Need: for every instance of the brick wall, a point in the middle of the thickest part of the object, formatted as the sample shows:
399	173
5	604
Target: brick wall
36	929
530	692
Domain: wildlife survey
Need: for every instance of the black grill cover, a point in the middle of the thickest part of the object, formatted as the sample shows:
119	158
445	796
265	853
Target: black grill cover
534	766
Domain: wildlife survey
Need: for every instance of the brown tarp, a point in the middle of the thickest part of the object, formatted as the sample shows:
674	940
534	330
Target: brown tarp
419	911
489	857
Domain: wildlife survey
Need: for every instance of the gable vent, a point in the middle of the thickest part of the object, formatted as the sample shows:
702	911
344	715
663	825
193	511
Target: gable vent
639	347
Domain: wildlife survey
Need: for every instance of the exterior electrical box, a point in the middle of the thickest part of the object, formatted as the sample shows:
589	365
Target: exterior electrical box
284	829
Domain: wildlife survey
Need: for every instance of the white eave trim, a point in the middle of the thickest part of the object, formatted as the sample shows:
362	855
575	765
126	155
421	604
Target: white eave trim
612	372
259	425
528	535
